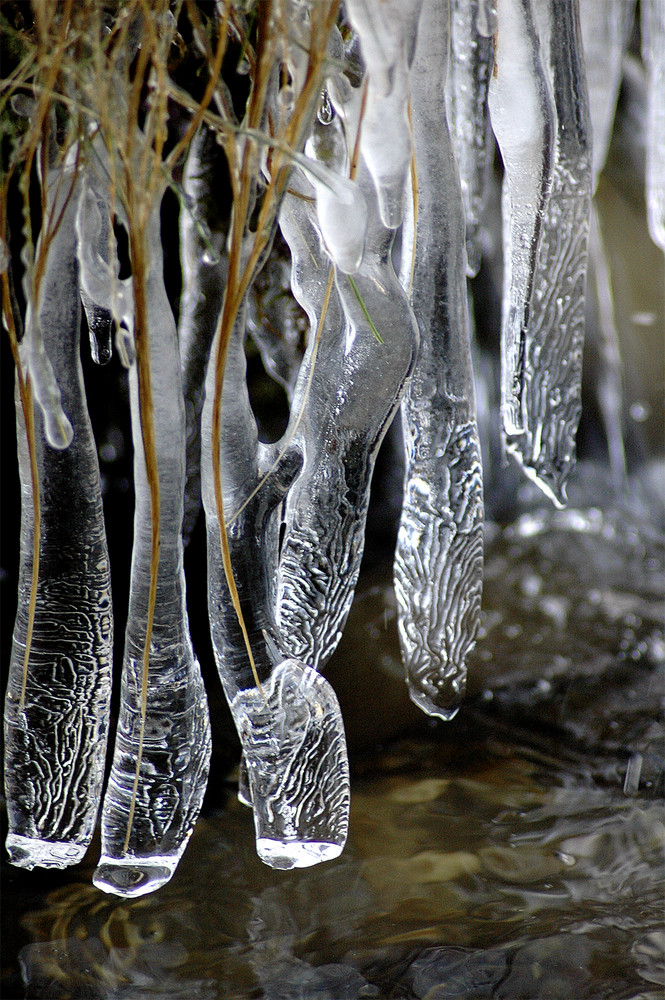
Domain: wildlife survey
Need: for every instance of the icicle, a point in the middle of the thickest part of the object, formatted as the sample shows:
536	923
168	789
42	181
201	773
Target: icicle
608	367
57	706
550	365
96	241
37	364
605	32
347	394
297	778
468	115
387	34
162	749
101	287
295	753
653	52
522	116
204	267
438	561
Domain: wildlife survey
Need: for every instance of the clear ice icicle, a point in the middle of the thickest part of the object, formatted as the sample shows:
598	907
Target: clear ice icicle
468	116
347	393
295	754
204	266
387	33
653	52
549	375
96	236
605	32
523	120
439	555
291	730
57	704
162	746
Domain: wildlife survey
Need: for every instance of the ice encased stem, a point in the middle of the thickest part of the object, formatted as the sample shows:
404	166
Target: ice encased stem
56	726
387	33
347	393
290	728
162	747
295	753
438	559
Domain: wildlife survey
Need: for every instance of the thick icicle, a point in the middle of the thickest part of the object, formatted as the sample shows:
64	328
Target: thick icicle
204	266
439	555
523	121
468	116
347	394
295	753
653	52
290	727
57	706
550	371
162	748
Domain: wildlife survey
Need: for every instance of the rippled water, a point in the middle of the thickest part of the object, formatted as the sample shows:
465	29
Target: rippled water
517	852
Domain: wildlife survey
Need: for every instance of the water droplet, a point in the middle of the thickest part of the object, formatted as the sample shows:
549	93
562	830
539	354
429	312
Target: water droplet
326	112
640	412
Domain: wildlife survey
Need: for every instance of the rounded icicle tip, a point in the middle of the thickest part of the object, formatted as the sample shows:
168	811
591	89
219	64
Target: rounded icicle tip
294	747
30	852
133	877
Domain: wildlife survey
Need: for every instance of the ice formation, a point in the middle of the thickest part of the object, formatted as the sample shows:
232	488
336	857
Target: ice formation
439	556
364	136
57	704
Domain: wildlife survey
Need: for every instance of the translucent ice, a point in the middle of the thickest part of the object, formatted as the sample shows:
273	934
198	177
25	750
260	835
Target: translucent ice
97	247
294	750
348	390
523	120
653	51
204	266
57	705
387	33
605	31
101	287
468	115
290	726
549	373
438	560
162	748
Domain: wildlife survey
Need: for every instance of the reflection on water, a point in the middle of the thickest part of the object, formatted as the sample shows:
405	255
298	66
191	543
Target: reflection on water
516	852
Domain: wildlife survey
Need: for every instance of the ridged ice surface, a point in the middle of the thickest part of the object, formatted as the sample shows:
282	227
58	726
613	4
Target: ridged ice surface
57	712
161	756
345	398
653	52
550	370
438	560
468	115
523	120
295	753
